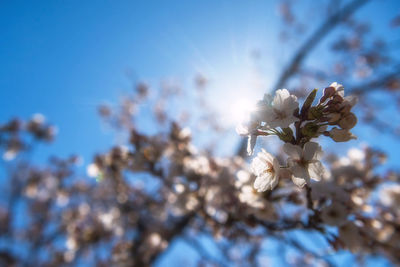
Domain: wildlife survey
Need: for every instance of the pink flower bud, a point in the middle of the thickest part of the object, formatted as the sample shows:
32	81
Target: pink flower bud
341	135
348	121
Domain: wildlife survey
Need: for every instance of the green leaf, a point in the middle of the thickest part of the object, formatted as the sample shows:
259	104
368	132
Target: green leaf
307	104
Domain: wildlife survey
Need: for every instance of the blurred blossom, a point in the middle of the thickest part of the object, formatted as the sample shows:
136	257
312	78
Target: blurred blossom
389	195
335	214
92	170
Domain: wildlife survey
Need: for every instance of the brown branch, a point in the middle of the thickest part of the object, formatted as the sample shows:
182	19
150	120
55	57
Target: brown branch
301	248
168	235
375	84
315	38
203	253
178	228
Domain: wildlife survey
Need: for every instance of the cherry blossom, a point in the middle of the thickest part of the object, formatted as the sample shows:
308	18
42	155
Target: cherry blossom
280	112
266	168
304	162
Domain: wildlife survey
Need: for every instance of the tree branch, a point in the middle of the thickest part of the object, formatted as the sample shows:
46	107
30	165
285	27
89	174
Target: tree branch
196	245
315	38
375	84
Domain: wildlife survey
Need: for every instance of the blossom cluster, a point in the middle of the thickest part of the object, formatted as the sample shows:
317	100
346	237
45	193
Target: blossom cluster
282	116
12	133
155	188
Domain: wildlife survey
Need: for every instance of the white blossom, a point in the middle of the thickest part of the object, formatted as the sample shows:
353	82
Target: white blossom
266	168
250	197
93	170
304	162
10	155
356	155
389	195
280	112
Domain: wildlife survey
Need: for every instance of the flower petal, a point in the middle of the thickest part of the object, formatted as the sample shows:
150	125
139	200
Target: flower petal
290	104
266	156
300	172
316	170
251	143
300	182
258	166
263	182
280	96
294	152
311	149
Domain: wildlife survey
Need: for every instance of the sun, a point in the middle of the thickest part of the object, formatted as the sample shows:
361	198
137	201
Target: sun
241	108
236	95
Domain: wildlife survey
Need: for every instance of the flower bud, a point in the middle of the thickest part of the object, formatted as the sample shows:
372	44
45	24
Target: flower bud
308	102
334	117
350	100
345	109
329	91
341	135
286	135
333	106
337	99
310	129
314	113
339	90
348	121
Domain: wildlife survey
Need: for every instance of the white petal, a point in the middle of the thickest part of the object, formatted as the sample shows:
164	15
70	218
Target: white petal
266	156
276	165
338	87
300	172
294	152
290	104
284	93
258	166
274	182
267	114
287	121
351	100
280	96
263	182
300	182
316	170
251	143
309	150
